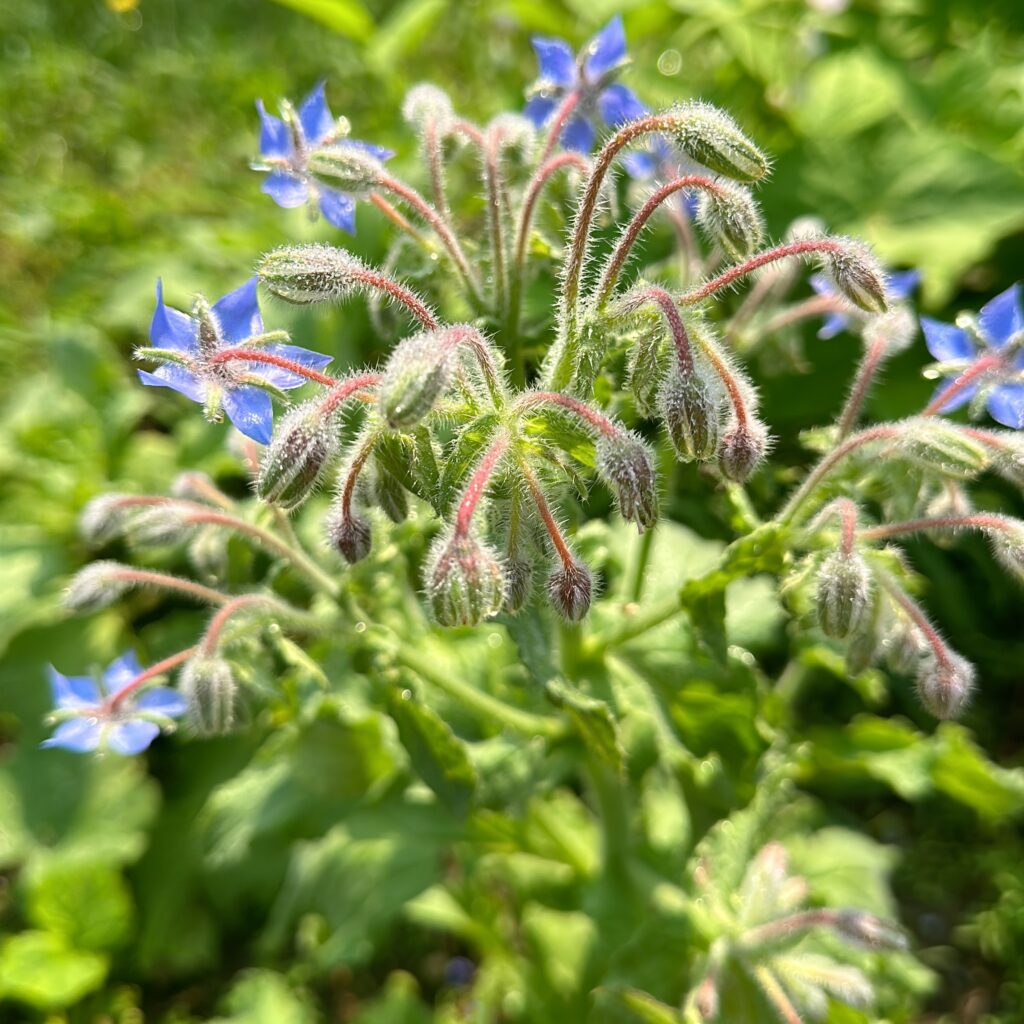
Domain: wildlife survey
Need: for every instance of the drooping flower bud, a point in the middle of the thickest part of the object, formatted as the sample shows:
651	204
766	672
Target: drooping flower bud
350	169
945	684
856	274
350	535
731	217
196	486
742	448
305	274
902	647
417	375
1008	547
104	518
569	589
943	447
426	104
862	646
515	132
706	999
518	584
209	686
691	405
897	329
300	451
464	579
864	929
711	137
625	464
844	593
96	586
157	525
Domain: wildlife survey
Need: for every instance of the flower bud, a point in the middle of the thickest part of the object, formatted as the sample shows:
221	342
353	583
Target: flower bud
936	444
1008	547
209	686
104	518
625	464
712	138
426	104
417	374
902	646
96	586
742	449
897	329
195	486
310	273
515	132
569	590
156	525
351	536
706	999
299	452
862	646
518	584
945	684
844	593
350	168
730	216
391	496
856	274
691	406
866	929
465	582
645	374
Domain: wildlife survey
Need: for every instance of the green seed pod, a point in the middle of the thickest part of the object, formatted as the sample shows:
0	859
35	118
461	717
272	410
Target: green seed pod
304	274
209	686
691	405
570	589
712	138
742	449
856	274
417	375
351	536
844	593
731	217
625	464
465	582
945	684
943	447
300	451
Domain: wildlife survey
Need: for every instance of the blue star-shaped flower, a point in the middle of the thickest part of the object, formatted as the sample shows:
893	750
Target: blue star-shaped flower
92	719
591	76
192	343
898	287
1000	333
286	150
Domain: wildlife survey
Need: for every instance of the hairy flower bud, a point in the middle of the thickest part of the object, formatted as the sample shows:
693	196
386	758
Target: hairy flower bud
625	464
310	273
426	104
897	329
569	589
156	525
742	449
1008	547
104	518
351	536
945	684
465	582
731	217
691	405
936	444
299	452
417	374
96	586
518	584
844	593
209	686
711	137
866	929
706	999
351	169
856	274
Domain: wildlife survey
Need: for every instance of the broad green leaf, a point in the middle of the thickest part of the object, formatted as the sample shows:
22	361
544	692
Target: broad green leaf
265	997
963	772
562	943
346	17
593	720
40	969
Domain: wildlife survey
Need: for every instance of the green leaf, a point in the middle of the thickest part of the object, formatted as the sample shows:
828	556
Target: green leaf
265	997
641	1007
562	942
346	17
593	721
963	772
40	969
406	27
440	759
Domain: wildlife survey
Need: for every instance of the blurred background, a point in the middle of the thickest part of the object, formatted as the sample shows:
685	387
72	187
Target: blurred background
126	131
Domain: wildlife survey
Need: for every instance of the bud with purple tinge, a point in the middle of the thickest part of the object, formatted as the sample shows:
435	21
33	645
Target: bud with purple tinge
417	375
945	683
730	216
856	274
300	451
465	581
743	447
712	138
625	464
570	588
209	686
350	535
844	593
691	405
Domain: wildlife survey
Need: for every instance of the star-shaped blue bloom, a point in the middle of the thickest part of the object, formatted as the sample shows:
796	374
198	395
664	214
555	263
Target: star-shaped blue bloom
1000	333
591	75
192	342
898	287
91	718
286	150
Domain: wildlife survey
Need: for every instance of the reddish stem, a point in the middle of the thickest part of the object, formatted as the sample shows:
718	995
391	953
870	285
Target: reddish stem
219	621
670	311
574	405
400	294
477	483
493	187
352	475
255	355
978	521
861	385
916	615
432	147
111	702
147	577
345	389
547	518
562	115
396	217
983	365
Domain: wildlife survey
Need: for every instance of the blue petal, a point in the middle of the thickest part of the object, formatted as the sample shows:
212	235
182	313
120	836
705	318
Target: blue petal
176	377
339	208
280	377
619	104
275	139
822	285
72	692
381	153
162	700
285	190
902	283
238	313
251	411
121	672
539	108
171	328
835	323
1006	404
640	165
557	61
131	737
578	135
607	48
1001	318
79	734
315	116
961	398
691	201
946	342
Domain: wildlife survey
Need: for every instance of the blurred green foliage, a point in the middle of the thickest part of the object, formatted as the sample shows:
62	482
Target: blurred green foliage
336	861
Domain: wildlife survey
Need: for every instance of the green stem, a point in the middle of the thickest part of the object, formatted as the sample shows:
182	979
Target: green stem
643	557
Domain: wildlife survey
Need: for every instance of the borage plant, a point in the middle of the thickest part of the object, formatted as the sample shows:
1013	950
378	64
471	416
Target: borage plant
518	370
